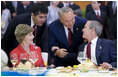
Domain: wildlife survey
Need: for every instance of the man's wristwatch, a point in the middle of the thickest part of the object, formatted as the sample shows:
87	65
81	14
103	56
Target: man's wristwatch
54	52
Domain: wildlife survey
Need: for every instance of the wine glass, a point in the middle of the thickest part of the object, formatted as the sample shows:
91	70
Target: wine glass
33	56
14	59
82	57
23	57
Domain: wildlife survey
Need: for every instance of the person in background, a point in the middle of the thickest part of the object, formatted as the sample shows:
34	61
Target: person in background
5	19
65	36
24	7
112	15
24	36
53	12
76	8
11	5
99	15
102	7
37	20
47	3
102	52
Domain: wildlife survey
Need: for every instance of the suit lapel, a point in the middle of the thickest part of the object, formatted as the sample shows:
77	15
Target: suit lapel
63	36
94	15
99	48
75	29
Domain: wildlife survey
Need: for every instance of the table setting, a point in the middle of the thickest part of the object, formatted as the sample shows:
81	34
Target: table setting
27	68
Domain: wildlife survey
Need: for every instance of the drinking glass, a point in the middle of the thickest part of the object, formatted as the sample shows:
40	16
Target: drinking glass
82	57
23	57
33	56
14	58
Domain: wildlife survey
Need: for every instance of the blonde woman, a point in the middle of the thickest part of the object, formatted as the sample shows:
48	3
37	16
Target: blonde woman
24	36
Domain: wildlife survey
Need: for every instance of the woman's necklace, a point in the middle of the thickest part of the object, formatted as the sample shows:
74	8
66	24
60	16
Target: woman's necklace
26	49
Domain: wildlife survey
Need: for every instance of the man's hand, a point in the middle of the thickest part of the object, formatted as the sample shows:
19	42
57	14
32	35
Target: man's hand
106	65
61	53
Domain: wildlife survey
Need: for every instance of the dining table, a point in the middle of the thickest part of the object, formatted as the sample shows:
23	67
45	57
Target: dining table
47	71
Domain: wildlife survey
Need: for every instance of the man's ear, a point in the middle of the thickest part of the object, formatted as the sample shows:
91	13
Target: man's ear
92	30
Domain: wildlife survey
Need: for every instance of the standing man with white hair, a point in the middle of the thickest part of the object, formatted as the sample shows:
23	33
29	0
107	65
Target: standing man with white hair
65	36
101	51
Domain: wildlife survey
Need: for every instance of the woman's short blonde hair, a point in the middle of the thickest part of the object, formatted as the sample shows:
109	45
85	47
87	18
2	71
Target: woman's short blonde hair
21	31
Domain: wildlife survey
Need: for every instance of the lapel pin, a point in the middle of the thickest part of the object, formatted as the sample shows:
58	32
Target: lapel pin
77	29
100	47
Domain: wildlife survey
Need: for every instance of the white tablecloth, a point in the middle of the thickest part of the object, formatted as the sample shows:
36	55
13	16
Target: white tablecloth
54	72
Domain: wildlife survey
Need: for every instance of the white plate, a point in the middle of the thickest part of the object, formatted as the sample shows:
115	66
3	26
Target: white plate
89	69
103	71
58	68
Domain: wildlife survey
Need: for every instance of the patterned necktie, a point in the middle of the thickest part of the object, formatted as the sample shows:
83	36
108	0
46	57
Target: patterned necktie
70	36
98	15
89	50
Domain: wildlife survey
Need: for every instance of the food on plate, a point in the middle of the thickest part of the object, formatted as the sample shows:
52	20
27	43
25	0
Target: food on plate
67	69
87	65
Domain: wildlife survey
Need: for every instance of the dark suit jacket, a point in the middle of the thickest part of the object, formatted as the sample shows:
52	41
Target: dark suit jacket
112	21
74	7
58	38
102	7
9	42
92	16
105	52
22	10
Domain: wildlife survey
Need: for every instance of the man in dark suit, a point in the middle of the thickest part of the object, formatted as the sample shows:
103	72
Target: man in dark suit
76	8
102	7
65	36
112	14
101	51
37	18
24	7
99	15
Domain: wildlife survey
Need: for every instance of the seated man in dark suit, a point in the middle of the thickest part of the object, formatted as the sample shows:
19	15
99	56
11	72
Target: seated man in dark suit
65	35
36	20
101	51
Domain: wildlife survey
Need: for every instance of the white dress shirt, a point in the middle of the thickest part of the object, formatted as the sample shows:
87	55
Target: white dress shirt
97	11
65	4
32	22
93	50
